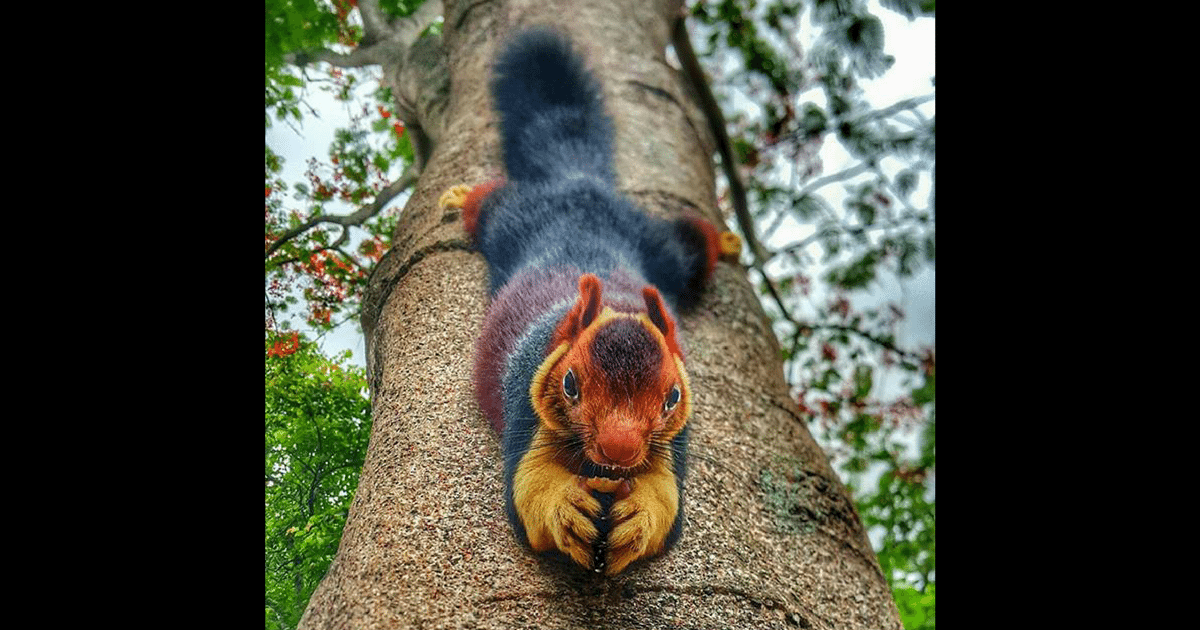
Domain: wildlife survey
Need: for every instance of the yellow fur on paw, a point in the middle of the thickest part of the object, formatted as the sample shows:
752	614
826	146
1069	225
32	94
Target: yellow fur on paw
455	197
603	484
555	506
643	520
567	521
730	243
630	540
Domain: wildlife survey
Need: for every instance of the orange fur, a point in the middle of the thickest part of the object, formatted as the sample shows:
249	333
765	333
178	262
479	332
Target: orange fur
712	246
610	423
656	310
474	202
586	308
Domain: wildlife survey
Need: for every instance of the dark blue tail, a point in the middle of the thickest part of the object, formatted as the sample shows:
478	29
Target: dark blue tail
552	119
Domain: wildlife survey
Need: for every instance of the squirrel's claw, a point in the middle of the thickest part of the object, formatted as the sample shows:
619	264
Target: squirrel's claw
570	523
455	197
558	514
643	520
730	244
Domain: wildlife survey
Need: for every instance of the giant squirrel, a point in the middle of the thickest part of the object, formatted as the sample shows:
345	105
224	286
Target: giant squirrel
578	365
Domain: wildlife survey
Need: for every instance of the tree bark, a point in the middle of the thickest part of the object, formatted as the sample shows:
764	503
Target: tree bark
771	539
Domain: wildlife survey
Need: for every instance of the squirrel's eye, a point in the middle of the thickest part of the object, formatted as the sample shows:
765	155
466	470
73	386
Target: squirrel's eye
672	399
569	386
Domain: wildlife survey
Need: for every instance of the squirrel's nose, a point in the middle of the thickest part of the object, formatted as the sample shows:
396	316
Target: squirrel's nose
621	448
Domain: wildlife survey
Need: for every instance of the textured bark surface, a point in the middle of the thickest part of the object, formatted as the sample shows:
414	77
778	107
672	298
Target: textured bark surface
771	539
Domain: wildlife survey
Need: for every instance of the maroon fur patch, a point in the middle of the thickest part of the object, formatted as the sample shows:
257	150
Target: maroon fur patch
712	244
628	355
474	203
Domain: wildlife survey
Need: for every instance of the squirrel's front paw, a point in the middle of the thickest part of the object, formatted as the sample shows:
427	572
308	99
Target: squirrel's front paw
561	518
454	197
642	522
730	245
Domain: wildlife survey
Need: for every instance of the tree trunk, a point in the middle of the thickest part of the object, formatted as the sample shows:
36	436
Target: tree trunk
771	537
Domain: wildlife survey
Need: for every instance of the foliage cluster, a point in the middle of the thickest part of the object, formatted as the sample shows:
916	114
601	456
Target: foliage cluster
317	423
864	394
319	242
309	248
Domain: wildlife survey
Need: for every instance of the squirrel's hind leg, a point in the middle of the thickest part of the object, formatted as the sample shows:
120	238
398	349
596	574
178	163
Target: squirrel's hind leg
704	246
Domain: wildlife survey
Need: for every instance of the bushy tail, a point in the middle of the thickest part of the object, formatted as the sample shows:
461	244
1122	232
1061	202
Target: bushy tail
552	120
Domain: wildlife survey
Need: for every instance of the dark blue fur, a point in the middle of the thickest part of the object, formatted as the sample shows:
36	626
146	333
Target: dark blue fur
560	206
522	421
551	112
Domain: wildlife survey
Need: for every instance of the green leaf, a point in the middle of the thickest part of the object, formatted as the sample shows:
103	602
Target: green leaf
924	394
863	380
317	419
906	182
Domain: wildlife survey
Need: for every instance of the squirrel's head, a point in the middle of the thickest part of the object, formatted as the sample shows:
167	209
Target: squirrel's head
614	386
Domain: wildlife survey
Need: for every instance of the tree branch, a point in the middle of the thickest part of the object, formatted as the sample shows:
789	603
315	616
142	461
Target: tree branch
407	29
775	296
737	189
821	182
379	37
359	57
911	103
716	122
868	336
907	104
406	179
819	234
376	27
813	187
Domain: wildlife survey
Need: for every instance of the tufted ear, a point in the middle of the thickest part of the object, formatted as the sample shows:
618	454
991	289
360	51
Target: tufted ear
656	310
586	308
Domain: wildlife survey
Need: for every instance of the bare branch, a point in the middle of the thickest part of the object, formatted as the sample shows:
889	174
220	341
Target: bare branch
407	29
406	179
849	173
905	105
355	314
716	122
359	57
775	296
379	37
812	187
911	103
375	24
868	336
830	231
377	27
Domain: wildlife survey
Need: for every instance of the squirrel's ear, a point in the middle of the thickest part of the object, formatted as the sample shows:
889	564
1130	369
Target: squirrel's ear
589	300
586	308
656	310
